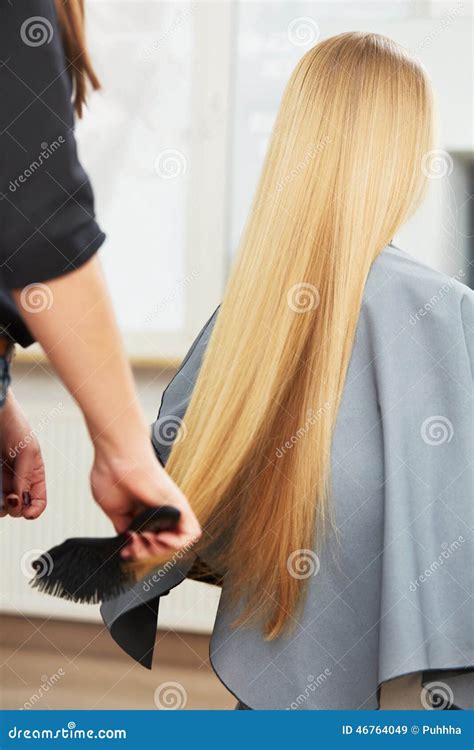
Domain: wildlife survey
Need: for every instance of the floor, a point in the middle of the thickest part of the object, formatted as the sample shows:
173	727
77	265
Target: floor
51	664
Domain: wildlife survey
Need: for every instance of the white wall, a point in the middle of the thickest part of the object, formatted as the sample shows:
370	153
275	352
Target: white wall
154	142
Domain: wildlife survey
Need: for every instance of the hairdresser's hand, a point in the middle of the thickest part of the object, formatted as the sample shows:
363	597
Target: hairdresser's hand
24	485
127	478
79	333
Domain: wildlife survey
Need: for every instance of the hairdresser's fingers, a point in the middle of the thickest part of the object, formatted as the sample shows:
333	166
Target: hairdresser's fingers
13	505
172	495
134	547
187	533
126	549
177	540
138	548
35	508
154	544
144	546
149	537
7	488
30	482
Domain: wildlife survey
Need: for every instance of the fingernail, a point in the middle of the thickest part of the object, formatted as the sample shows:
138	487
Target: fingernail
26	499
12	501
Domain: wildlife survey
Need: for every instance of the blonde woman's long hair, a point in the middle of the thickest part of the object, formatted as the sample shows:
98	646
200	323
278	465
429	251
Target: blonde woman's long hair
344	170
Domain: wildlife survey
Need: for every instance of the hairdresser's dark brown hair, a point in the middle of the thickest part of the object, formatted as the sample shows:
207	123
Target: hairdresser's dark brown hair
71	22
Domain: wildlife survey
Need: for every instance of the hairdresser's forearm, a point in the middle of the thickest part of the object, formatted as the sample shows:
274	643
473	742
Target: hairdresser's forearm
80	336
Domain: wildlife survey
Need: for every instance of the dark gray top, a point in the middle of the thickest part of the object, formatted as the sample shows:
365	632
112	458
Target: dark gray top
47	224
392	593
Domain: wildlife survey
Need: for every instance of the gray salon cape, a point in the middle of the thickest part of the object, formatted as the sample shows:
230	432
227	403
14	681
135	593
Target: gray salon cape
391	592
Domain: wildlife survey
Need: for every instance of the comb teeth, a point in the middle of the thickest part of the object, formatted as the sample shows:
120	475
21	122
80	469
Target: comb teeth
91	570
81	572
92	596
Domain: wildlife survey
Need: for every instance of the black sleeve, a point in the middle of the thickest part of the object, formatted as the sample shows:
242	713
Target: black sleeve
47	225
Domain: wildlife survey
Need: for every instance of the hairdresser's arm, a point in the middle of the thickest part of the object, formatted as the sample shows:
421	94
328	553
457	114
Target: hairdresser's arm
80	336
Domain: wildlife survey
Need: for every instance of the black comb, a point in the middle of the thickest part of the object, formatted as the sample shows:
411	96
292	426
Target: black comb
91	570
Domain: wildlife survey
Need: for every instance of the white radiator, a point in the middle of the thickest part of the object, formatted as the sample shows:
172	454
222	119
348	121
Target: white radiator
71	510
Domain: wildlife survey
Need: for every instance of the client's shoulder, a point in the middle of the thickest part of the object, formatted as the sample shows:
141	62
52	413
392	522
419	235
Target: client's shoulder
404	289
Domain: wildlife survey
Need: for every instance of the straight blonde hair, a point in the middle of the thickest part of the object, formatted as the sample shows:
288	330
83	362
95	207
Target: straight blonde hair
342	173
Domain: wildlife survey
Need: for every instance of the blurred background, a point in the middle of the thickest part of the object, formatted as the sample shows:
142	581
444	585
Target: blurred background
173	145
